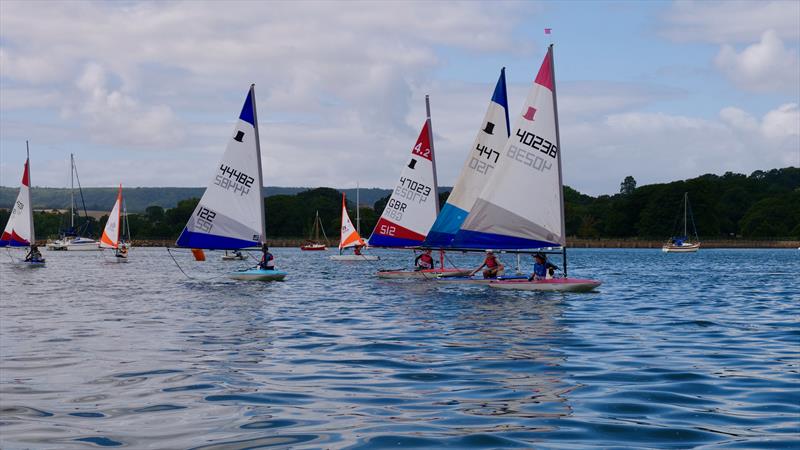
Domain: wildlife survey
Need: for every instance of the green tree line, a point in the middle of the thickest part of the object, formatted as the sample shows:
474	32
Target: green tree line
764	204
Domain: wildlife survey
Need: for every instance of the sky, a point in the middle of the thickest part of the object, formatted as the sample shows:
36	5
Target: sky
147	93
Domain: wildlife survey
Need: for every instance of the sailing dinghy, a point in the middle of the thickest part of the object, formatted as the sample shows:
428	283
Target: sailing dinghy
412	207
230	215
522	204
113	235
73	239
313	243
682	244
19	230
350	238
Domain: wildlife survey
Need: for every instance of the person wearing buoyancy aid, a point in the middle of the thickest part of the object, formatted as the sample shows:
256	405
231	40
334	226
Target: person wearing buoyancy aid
492	264
542	268
267	260
424	261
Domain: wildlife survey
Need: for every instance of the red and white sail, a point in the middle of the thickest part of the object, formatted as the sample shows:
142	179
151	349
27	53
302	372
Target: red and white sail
19	229
349	237
521	205
413	206
111	233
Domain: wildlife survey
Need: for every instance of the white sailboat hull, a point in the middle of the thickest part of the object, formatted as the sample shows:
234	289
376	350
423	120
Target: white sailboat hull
74	245
685	248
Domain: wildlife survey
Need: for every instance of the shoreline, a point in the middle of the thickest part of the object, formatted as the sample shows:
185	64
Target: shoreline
571	243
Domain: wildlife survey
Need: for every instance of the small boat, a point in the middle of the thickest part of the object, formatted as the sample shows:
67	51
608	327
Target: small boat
503	215
681	244
313	243
235	256
413	206
116	229
554	284
19	231
350	238
230	215
256	274
72	239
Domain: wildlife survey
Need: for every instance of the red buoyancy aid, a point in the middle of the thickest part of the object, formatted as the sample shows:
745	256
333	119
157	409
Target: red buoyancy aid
426	261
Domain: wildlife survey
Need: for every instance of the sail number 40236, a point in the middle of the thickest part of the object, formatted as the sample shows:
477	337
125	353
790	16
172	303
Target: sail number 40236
537	143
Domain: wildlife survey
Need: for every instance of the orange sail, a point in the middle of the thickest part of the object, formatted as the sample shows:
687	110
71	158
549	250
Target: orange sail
110	238
349	236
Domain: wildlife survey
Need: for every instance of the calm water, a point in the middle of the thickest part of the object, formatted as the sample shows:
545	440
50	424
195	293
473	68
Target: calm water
673	351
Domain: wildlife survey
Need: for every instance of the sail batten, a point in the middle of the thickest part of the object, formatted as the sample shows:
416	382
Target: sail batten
230	215
521	204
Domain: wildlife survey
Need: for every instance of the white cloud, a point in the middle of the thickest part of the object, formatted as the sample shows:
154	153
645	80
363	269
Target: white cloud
782	123
764	66
731	21
130	70
659	147
118	119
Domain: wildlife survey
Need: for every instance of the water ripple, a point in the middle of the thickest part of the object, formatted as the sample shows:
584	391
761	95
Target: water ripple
673	351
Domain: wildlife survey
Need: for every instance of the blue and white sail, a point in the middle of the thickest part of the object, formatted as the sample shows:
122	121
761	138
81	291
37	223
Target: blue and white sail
480	163
230	214
521	205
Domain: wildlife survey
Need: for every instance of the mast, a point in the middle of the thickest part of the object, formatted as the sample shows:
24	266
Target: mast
263	239
30	187
558	154
71	192
433	161
433	153
685	210
358	212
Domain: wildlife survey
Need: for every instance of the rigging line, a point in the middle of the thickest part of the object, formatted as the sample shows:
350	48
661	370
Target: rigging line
447	258
187	275
83	201
8	250
179	266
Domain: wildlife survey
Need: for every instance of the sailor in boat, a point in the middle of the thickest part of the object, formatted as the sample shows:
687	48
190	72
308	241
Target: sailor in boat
267	260
357	250
122	252
238	254
492	264
542	268
424	261
34	255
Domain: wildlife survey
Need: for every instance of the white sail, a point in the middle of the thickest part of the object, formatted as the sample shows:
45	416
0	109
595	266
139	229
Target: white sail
349	237
413	206
521	205
111	233
480	163
230	214
19	229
